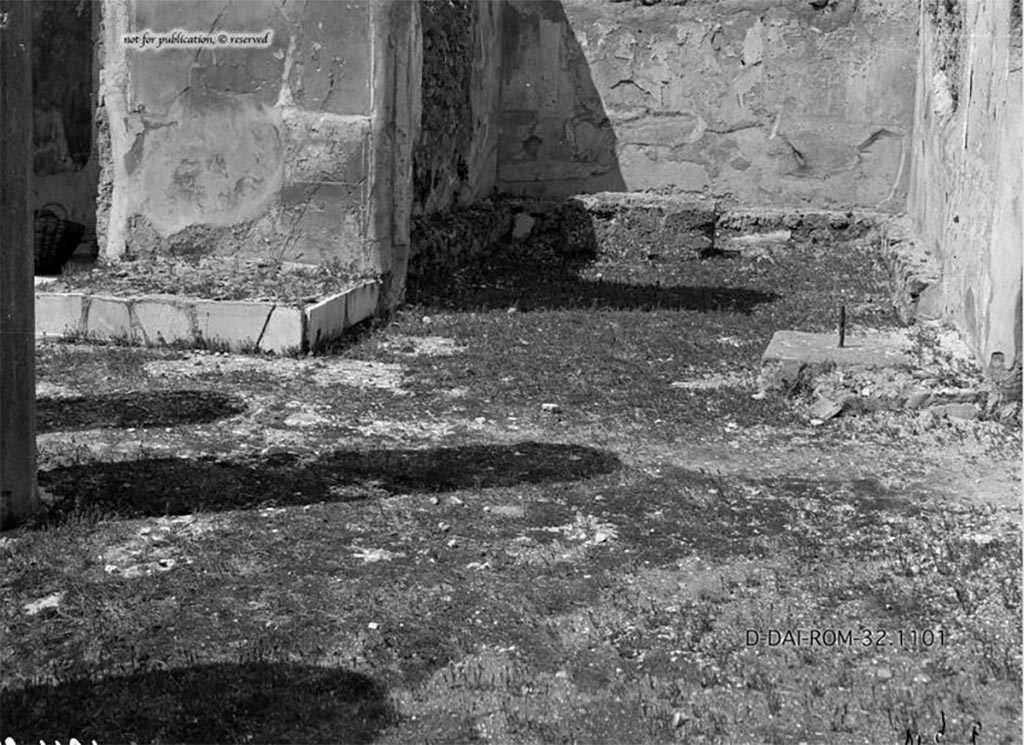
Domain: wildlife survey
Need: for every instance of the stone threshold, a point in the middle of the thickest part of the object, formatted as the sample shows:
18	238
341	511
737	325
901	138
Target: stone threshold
238	325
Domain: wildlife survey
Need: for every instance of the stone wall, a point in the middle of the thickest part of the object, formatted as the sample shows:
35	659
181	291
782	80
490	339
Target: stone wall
789	102
455	158
965	193
65	165
484	97
292	151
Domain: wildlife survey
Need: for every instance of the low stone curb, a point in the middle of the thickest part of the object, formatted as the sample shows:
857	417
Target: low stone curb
814	352
643	226
257	326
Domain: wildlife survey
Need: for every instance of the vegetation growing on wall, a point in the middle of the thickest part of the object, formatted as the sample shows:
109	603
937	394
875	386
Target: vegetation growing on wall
1015	26
947	19
439	163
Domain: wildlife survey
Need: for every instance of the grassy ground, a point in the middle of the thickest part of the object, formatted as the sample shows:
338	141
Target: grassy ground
498	520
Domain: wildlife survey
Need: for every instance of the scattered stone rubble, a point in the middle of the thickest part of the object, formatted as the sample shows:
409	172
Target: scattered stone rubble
945	382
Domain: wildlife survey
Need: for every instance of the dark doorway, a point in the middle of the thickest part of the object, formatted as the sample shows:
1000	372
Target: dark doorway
65	165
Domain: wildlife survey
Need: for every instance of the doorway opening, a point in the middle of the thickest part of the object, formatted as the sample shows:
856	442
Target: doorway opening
64	176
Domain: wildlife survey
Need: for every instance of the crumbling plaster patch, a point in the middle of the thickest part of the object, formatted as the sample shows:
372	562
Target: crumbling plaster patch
213	160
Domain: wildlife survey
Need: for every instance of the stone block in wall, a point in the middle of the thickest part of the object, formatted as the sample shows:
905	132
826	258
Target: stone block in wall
361	302
669	130
325	320
237	323
329	32
245	325
59	313
326	147
109	318
284	331
324	221
163	320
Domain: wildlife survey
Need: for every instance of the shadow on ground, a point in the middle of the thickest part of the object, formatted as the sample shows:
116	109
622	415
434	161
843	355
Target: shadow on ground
135	409
174	486
544	273
551	291
223	703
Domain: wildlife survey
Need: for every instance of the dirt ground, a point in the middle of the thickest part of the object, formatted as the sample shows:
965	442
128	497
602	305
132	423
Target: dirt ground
541	505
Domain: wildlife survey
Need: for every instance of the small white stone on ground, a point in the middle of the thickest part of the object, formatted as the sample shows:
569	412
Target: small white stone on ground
50	601
981	539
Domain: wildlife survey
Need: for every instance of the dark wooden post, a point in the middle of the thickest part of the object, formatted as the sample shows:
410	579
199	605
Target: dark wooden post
18	496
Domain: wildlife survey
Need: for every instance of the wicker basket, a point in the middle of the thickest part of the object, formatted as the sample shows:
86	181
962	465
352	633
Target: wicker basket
56	238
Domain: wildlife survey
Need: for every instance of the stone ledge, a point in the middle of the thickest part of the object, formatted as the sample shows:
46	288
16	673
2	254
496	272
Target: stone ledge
630	225
869	349
170	319
646	225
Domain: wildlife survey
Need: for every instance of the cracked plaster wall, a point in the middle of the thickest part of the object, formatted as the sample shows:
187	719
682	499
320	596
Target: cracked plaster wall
789	102
966	186
284	153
